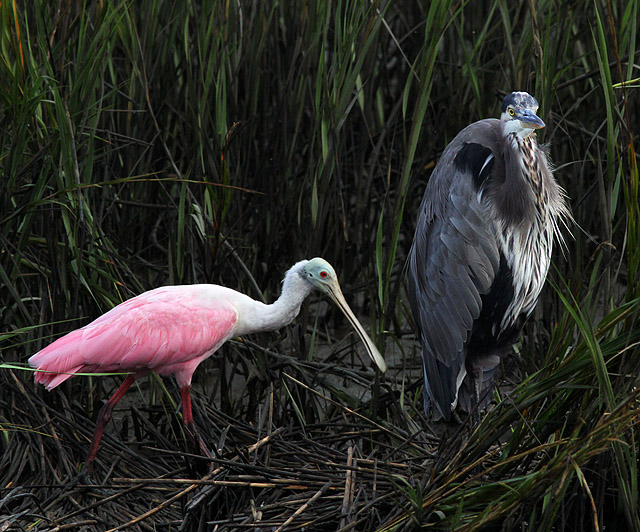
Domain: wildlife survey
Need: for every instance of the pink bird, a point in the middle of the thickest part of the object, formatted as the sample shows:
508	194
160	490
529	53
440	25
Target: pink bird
172	329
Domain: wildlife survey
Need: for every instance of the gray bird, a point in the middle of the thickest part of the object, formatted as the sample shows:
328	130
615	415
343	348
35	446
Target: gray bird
481	252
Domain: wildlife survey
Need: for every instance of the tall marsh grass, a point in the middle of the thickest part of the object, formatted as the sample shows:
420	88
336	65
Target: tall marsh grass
150	143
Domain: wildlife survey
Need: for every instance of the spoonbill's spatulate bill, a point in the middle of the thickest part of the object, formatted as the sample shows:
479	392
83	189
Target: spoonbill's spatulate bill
172	329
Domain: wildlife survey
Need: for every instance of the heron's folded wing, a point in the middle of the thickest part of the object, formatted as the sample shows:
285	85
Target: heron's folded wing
453	262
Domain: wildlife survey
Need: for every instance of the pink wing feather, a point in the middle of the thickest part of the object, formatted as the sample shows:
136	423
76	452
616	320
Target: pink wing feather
169	330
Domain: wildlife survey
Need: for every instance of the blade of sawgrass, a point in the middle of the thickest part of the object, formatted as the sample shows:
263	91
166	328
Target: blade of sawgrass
624	458
601	51
27	368
470	69
47	102
586	330
336	92
439	17
627	41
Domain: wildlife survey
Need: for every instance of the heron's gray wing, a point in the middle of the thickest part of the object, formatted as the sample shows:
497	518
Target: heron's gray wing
452	263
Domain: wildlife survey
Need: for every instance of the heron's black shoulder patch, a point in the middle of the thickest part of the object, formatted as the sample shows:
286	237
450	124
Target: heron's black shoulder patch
477	159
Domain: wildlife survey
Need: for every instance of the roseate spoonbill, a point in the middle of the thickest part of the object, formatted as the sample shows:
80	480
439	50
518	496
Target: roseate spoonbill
172	329
481	252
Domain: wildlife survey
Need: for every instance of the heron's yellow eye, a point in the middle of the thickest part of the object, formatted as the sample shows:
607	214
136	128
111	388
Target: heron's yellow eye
511	111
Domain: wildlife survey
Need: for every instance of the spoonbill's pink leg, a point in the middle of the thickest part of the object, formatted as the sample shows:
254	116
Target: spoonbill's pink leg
187	416
103	418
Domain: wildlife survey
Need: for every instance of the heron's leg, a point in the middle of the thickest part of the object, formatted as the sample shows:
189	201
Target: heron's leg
103	418
473	381
187	416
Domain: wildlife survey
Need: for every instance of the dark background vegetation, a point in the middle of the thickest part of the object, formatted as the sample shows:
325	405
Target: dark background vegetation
151	143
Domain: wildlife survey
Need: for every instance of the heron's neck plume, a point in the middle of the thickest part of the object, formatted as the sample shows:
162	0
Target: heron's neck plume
281	312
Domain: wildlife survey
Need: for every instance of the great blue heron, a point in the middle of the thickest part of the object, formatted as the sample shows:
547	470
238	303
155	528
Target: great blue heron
481	252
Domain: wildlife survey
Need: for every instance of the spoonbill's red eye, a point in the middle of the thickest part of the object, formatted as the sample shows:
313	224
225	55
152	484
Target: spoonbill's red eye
323	274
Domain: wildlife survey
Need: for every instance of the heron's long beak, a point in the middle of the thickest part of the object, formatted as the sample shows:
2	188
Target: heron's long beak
530	119
335	293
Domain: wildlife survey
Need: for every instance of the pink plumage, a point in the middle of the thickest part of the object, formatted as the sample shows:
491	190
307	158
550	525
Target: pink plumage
169	330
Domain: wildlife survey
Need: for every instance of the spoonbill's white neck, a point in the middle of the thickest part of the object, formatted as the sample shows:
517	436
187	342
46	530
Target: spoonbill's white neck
259	316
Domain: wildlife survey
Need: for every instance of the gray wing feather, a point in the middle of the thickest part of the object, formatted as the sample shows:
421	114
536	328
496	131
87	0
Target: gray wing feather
452	263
